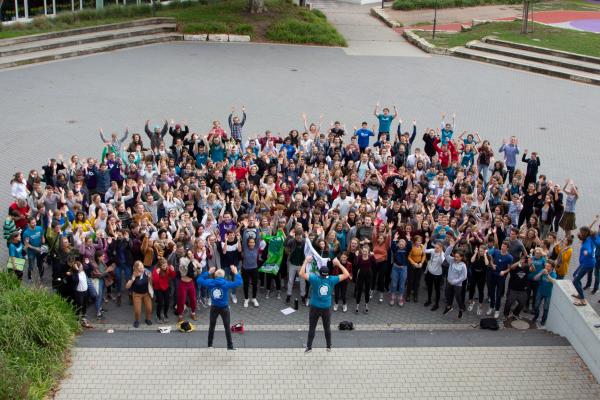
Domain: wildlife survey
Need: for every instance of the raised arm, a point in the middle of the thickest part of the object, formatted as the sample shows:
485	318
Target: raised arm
302	272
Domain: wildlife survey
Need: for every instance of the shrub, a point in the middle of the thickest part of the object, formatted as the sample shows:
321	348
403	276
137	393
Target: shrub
319	14
37	328
291	30
244	29
418	4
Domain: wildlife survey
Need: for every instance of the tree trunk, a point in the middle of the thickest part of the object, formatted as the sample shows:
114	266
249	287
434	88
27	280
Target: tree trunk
524	27
256	6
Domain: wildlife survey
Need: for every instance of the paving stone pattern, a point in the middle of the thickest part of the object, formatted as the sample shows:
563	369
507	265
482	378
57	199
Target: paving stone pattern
383	373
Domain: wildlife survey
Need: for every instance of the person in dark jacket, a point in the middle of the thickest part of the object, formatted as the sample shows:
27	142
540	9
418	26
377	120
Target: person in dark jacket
156	136
533	164
178	133
517	287
119	250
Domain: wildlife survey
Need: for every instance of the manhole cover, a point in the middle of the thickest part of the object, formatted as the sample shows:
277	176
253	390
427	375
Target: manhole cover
71	121
542	128
519	324
294	70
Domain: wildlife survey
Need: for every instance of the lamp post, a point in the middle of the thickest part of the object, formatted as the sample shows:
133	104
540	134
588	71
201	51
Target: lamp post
434	18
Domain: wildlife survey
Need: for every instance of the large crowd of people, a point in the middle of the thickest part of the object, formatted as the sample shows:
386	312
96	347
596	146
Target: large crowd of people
164	216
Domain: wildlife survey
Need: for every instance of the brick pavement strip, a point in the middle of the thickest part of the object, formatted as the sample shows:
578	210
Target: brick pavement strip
436	373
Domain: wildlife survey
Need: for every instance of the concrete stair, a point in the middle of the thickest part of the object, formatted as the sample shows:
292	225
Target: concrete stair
534	59
83	41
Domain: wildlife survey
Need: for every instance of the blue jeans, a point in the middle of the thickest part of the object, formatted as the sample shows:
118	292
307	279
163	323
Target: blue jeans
33	258
119	271
536	307
594	274
99	295
580	272
398	280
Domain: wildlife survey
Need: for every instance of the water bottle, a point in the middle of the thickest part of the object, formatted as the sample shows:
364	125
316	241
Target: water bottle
296	304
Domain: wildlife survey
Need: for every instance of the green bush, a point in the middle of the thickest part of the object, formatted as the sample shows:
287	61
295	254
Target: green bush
418	4
243	29
310	29
206	27
37	328
319	14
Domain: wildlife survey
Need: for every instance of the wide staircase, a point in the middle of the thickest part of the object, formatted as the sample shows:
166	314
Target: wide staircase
556	63
82	41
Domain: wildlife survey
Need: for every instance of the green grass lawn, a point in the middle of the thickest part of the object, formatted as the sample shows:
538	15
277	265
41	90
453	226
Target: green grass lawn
283	21
543	36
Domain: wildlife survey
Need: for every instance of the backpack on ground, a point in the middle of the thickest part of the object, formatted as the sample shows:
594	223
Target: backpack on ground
346	326
489	323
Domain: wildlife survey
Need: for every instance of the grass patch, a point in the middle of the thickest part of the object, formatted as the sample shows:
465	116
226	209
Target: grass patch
419	4
37	329
310	28
283	21
543	36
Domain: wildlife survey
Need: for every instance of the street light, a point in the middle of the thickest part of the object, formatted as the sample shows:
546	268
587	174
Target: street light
434	18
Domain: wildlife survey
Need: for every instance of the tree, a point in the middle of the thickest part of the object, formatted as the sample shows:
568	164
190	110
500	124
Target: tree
524	28
256	6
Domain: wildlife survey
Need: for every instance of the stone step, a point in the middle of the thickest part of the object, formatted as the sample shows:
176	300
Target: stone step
532	66
543	50
85	49
535	56
66	41
89	29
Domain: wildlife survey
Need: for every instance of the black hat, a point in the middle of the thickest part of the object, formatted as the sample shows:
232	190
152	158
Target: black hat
324	271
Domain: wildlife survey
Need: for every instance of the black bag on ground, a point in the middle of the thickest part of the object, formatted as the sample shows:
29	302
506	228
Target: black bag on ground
346	326
489	323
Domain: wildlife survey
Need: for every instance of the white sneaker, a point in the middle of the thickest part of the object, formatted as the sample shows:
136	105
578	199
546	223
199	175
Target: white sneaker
278	295
255	302
344	308
234	299
470	308
267	294
307	302
246	301
479	310
209	302
489	311
497	314
381	297
335	307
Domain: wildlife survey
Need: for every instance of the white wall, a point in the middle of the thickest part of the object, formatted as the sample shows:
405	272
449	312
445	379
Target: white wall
576	324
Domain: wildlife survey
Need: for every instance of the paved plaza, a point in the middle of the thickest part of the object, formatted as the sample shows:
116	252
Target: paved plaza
441	357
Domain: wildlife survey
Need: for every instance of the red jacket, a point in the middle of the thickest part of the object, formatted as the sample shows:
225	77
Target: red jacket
161	281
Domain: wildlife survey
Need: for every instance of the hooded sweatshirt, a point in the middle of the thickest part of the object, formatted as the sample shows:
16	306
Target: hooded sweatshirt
219	288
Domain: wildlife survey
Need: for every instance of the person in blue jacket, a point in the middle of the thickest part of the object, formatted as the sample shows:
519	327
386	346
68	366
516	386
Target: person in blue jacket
587	261
218	288
363	134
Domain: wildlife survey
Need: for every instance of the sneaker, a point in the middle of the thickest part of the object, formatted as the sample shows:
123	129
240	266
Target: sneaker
287	299
206	302
381	297
470	308
447	310
329	349
148	322
231	349
370	293
165	319
489	311
594	291
344	308
278	295
209	302
307	301
255	302
497	314
356	309
366	308
160	320
246	301
307	350
392	300
427	303
479	310
99	316
460	314
136	324
234	299
401	302
435	307
267	294
335	307
86	324
194	316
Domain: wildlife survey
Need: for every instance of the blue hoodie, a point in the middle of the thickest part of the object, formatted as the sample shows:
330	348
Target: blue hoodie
586	254
219	288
